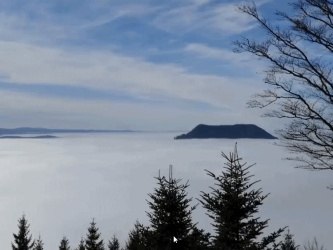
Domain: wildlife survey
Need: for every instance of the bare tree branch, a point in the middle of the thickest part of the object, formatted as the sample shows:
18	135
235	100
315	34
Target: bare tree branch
299	78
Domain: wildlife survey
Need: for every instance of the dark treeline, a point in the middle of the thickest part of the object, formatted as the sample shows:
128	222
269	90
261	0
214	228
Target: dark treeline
231	203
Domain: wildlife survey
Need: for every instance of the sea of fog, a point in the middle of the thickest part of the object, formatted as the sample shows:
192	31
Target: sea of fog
61	184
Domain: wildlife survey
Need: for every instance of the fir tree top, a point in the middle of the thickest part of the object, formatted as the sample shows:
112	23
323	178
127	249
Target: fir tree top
64	244
22	240
233	205
39	244
92	240
171	213
114	243
81	245
288	243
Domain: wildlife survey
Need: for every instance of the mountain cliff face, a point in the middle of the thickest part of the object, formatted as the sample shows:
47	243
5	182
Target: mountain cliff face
237	131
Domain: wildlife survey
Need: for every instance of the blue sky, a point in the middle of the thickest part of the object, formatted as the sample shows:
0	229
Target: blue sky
146	65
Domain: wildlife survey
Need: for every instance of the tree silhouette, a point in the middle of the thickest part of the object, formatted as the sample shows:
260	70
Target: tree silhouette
139	238
288	243
299	78
232	205
170	215
113	243
22	240
92	240
39	244
199	240
64	244
81	245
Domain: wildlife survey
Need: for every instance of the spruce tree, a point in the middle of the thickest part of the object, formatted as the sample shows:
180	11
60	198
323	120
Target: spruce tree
81	245
288	243
39	244
22	240
114	243
170	215
139	238
199	240
92	240
64	244
233	204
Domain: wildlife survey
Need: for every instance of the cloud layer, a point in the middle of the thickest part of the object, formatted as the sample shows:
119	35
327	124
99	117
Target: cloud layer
62	184
143	58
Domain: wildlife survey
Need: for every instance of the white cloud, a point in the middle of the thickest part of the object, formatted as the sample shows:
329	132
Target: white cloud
116	12
40	23
226	18
218	20
236	60
223	19
109	71
26	62
201	2
206	51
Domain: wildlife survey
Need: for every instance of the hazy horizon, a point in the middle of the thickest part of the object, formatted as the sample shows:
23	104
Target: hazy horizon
77	130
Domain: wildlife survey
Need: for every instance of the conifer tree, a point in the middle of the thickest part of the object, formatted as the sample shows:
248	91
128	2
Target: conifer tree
170	215
139	238
113	243
92	240
199	240
39	244
288	243
22	240
81	245
233	204
64	244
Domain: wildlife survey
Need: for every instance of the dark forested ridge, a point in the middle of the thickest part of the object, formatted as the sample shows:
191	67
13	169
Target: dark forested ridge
237	131
28	137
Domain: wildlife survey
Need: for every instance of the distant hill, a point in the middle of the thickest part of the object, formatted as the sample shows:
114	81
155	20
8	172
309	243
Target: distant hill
27	130
27	137
237	131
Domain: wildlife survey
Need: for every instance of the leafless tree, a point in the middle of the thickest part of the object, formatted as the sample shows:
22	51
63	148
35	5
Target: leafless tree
300	86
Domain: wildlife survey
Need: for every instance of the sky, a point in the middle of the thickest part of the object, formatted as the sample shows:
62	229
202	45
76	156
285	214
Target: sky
140	65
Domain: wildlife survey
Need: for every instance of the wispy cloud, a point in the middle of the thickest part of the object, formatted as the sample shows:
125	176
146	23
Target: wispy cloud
235	62
93	45
205	16
112	72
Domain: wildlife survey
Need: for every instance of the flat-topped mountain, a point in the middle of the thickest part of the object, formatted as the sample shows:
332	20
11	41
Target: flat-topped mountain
237	131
